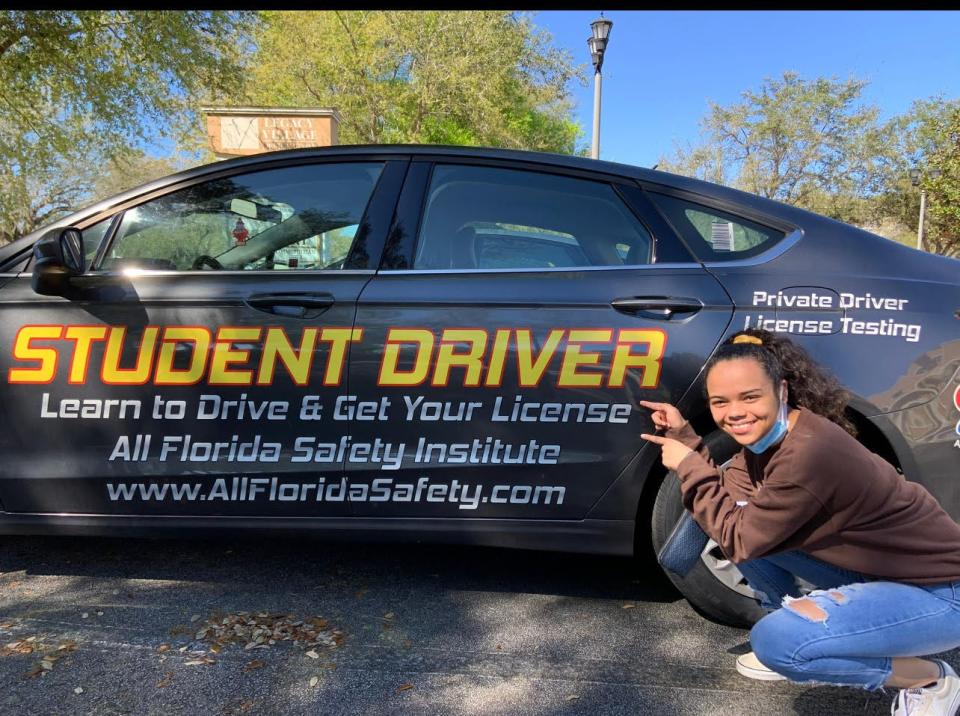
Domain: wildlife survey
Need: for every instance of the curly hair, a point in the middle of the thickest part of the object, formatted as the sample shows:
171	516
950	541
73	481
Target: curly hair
809	385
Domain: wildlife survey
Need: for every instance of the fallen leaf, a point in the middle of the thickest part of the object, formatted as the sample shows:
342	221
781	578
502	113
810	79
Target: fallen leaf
388	615
46	665
165	680
314	680
194	618
360	593
572	697
200	661
405	687
313	655
163	647
36	671
78	690
255	664
629	606
99	614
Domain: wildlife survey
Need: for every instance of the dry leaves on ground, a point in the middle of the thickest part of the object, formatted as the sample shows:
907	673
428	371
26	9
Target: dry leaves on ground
49	654
405	687
262	630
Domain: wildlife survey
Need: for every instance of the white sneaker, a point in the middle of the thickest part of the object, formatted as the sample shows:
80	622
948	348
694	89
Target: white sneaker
940	699
749	665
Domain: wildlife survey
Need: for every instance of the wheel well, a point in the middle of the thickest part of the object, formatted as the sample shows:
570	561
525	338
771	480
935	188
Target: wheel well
870	436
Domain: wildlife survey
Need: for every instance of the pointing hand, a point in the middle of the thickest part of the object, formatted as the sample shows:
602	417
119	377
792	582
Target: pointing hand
664	415
673	450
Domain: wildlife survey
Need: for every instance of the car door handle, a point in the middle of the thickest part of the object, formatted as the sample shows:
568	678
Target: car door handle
298	305
658	306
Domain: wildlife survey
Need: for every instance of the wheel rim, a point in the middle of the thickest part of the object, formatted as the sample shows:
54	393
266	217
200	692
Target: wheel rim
725	571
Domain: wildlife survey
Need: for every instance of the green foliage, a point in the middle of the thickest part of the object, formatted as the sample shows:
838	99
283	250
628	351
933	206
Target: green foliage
945	190
129	170
478	78
80	88
807	143
814	145
929	141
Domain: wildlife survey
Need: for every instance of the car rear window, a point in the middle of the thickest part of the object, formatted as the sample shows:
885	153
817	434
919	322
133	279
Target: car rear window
494	218
715	235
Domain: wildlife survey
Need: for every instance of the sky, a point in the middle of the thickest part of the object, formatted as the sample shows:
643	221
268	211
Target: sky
661	68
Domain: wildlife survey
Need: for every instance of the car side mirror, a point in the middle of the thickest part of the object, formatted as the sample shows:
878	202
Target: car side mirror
58	256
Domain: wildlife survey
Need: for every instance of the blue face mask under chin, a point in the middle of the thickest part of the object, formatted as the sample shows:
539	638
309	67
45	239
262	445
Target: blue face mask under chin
776	433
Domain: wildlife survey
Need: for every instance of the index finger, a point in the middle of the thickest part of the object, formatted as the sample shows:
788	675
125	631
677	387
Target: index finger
654	438
654	406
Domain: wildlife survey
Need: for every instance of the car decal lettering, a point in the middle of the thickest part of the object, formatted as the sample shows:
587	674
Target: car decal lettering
465	496
786	304
240	356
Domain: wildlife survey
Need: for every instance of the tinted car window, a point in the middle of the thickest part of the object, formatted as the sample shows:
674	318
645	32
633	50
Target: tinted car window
302	217
92	236
715	235
492	218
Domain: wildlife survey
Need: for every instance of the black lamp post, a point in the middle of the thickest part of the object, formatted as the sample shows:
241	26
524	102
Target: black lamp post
597	43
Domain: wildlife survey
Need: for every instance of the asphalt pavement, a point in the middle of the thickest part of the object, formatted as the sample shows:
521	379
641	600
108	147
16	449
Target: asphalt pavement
299	626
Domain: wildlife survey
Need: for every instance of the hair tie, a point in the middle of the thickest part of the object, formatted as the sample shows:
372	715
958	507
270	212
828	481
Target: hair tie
743	338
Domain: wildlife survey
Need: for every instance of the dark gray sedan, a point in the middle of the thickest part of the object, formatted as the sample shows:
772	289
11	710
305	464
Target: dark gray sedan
433	343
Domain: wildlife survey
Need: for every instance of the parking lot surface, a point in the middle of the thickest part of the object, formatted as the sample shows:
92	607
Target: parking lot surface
134	626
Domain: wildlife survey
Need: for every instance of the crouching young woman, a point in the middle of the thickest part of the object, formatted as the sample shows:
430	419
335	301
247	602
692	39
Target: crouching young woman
803	499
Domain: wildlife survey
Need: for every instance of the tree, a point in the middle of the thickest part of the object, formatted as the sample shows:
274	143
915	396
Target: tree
806	143
89	86
928	139
459	77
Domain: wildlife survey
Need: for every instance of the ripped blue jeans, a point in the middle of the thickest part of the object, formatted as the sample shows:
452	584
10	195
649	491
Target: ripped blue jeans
866	621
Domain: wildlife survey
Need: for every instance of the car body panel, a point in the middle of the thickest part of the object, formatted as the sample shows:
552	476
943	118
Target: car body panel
879	315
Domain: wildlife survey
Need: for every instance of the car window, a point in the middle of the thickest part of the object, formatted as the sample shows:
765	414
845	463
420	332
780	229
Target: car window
92	236
715	235
302	217
493	218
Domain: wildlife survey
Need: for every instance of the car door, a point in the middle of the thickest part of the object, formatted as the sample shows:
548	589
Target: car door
212	333
508	336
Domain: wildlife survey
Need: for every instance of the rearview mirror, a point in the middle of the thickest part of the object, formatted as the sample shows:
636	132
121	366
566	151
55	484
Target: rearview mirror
58	256
255	210
244	208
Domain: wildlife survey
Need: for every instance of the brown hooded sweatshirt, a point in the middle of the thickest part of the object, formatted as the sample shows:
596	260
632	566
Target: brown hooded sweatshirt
822	492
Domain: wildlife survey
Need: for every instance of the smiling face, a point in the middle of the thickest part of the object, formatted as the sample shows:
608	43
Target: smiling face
742	399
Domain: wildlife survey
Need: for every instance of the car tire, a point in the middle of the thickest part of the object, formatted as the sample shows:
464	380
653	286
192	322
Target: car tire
714	587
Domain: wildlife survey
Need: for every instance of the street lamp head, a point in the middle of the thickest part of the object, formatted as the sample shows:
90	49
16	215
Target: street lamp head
915	177
934	174
597	42
596	53
601	28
